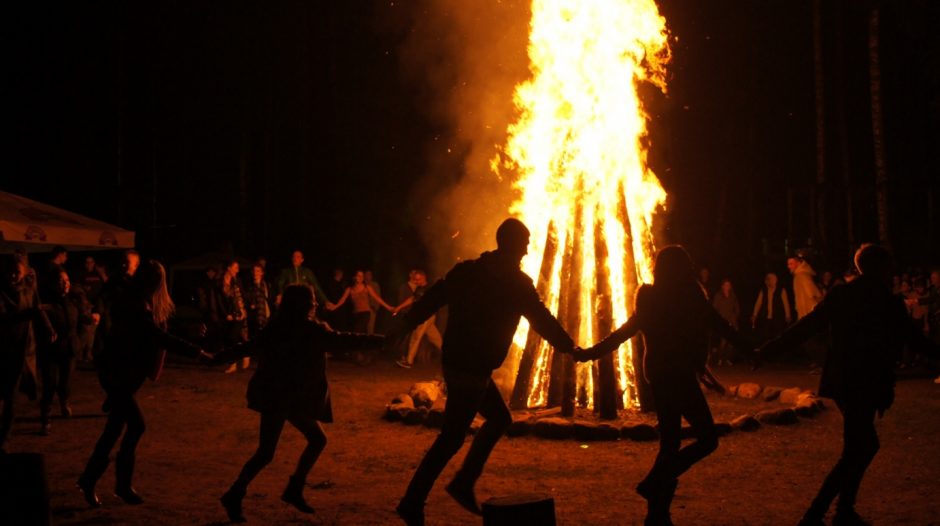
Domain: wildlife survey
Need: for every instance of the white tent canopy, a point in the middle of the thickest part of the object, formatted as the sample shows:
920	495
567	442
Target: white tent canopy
37	227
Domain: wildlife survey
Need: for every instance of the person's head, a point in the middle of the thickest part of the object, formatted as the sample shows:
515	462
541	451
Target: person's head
826	277
935	279
19	273
257	271
770	280
131	262
89	264
150	280
359	277
64	284
794	263
905	287
367	276
421	278
231	268
512	239
411	275
263	262
212	272
726	287
297	303
297	258
704	275
874	261
920	286
338	274
896	280
673	265
59	255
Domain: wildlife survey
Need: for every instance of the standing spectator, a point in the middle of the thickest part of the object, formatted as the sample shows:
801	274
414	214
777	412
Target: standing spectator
826	282
257	301
19	316
232	314
336	317
373	305
134	352
726	303
67	312
705	280
113	290
805	293
49	280
92	280
297	274
771	310
360	296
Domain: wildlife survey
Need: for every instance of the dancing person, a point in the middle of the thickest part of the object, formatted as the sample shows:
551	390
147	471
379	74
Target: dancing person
290	385
360	295
22	323
134	351
675	318
487	296
425	330
868	326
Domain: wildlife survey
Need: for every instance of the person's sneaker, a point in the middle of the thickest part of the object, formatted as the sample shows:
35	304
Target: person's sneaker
463	494
410	512
403	364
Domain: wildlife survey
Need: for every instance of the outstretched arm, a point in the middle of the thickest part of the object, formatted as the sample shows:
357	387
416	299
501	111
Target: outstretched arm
378	299
544	323
338	304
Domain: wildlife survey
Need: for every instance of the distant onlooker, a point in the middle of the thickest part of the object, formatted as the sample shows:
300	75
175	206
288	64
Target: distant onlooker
771	310
297	274
704	279
826	282
257	301
805	293
49	280
232	313
726	303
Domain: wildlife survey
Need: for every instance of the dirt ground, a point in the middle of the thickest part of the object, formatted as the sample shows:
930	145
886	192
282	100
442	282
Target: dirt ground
199	434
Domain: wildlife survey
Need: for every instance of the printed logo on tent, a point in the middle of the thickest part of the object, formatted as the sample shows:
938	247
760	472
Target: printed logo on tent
34	233
108	239
43	216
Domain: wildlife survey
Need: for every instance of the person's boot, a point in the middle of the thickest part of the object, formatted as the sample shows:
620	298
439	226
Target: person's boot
658	499
462	492
123	473
294	495
411	512
232	502
848	517
89	477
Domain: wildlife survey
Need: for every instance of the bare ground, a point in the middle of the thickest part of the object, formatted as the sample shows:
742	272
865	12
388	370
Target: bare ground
199	434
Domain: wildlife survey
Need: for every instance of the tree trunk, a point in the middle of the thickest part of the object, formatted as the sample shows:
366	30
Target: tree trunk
818	212
877	126
841	129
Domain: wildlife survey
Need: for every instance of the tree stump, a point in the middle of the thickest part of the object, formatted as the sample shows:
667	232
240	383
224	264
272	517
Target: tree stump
519	510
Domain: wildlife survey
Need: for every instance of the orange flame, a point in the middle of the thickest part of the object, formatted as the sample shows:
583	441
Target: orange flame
578	149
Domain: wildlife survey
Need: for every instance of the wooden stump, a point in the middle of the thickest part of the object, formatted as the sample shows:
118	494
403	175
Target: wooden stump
519	510
24	490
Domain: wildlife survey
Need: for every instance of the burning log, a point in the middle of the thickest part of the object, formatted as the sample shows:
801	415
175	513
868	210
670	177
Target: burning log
523	385
631	282
606	396
562	382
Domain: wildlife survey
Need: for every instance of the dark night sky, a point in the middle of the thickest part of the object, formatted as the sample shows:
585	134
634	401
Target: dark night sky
269	125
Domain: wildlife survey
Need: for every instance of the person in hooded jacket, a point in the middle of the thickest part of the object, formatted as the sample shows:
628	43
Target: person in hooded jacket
290	385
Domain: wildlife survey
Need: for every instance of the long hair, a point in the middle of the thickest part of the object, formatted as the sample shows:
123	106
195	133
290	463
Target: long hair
151	282
674	275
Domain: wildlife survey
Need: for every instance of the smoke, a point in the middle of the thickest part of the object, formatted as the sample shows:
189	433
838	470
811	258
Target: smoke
464	58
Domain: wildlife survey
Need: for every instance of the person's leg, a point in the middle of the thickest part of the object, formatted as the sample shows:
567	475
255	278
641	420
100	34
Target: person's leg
696	412
465	394
433	334
316	441
49	374
655	487
64	390
861	446
498	419
415	342
126	456
269	434
98	461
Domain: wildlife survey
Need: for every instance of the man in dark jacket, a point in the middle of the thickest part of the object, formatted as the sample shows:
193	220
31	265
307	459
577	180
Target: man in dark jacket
486	296
868	326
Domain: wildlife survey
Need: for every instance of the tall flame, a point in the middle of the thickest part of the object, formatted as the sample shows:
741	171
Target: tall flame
578	148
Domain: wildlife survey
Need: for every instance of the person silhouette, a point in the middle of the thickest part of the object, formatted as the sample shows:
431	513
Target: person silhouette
487	296
675	317
868	326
